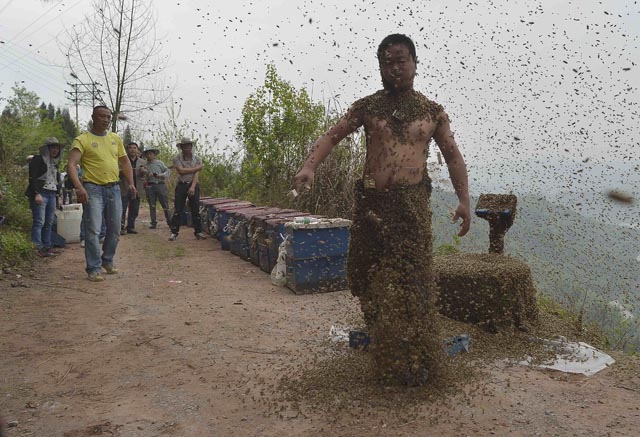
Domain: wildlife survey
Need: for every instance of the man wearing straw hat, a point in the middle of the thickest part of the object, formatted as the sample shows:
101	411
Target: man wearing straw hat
155	174
188	166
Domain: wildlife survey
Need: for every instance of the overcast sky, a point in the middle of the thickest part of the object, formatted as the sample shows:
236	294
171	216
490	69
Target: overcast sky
523	81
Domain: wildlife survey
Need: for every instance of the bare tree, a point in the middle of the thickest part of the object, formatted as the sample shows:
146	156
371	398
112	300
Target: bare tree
116	55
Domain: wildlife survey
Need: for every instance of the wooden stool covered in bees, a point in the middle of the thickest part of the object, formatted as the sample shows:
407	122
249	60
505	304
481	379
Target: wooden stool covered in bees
492	290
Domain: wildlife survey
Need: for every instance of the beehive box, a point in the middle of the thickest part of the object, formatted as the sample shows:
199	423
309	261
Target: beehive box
317	255
239	239
224	233
487	289
257	233
221	216
268	252
206	210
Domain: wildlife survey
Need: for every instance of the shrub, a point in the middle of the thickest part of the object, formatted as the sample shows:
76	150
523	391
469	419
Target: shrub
14	207
15	248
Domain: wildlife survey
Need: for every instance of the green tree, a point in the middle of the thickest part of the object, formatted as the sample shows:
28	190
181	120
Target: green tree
43	111
25	123
51	112
68	125
277	126
126	137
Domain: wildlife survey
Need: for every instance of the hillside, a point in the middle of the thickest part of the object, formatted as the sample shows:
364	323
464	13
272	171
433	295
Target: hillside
571	255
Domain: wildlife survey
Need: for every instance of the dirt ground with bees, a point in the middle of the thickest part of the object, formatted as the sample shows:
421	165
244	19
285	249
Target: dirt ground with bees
189	340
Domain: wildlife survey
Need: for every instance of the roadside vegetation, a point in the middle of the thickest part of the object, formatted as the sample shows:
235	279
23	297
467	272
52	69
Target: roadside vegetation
272	138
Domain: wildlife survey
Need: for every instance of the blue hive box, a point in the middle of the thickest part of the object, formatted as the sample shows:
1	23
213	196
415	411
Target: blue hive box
317	255
222	215
206	206
257	234
213	206
268	253
239	237
224	234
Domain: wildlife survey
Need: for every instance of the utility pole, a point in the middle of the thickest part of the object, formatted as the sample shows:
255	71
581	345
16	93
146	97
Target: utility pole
91	93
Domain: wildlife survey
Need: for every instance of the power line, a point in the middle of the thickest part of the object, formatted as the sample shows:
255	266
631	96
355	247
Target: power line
40	75
45	62
33	22
92	94
67	10
6	6
48	86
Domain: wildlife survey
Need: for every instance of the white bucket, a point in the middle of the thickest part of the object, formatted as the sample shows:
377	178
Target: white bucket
69	220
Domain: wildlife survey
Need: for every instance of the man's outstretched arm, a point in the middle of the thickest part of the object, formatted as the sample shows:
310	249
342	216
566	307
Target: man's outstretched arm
323	146
457	171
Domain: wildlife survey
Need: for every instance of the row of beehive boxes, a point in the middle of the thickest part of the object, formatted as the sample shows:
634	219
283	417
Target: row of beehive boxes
316	253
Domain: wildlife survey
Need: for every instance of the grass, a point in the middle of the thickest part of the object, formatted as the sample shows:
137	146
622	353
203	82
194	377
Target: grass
15	248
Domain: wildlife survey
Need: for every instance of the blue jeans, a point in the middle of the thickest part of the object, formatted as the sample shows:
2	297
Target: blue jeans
103	229
43	216
104	202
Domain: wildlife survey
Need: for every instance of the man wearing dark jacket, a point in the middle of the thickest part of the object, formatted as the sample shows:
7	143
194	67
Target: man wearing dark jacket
44	194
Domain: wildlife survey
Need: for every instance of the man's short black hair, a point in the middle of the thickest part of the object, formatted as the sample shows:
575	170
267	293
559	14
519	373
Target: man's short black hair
95	108
397	38
133	144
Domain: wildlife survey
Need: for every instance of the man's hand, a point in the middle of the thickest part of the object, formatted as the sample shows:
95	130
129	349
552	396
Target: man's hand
134	192
304	179
462	212
83	196
59	202
38	199
192	191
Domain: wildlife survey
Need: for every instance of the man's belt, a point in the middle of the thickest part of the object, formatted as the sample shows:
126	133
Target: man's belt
107	185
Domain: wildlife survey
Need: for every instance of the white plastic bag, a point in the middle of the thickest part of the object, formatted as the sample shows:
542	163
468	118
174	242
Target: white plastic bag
279	272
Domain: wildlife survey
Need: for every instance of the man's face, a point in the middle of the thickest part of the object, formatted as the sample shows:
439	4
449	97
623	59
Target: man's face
397	68
132	151
101	119
150	156
186	148
54	151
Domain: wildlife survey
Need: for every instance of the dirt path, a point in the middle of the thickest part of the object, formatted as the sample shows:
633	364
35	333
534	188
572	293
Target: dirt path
189	340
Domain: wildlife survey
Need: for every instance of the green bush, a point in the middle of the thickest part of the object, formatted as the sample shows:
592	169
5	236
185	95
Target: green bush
14	206
15	248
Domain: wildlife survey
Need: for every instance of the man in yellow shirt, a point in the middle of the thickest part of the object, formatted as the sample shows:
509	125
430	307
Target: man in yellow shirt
98	151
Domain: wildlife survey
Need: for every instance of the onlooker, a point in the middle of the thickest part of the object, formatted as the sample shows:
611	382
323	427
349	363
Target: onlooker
43	192
98	152
67	186
155	174
188	166
130	201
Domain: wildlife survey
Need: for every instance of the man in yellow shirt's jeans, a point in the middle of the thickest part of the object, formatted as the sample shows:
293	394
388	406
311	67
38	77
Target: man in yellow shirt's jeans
98	152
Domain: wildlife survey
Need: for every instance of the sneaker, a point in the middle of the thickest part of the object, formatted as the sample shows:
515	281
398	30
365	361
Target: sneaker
200	236
43	253
96	277
110	269
81	243
123	231
152	226
131	231
173	237
52	252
